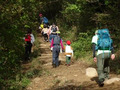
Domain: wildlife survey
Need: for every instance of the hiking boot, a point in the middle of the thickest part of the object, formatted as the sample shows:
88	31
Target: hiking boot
100	83
54	65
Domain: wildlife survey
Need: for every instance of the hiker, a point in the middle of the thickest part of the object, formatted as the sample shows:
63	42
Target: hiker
45	32
55	47
68	52
102	43
43	20
52	31
29	40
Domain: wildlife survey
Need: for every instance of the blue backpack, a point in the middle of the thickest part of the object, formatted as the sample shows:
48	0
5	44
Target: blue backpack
104	41
45	20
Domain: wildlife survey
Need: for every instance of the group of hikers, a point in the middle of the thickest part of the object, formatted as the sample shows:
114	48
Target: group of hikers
102	46
50	33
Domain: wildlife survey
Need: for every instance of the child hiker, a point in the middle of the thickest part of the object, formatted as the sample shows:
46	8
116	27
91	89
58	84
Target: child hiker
68	52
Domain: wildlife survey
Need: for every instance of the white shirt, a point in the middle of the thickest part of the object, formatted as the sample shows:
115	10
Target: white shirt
68	49
32	38
94	39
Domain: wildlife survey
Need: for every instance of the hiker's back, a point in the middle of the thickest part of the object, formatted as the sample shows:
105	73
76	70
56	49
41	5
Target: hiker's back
45	20
28	38
53	29
45	30
68	49
56	40
104	41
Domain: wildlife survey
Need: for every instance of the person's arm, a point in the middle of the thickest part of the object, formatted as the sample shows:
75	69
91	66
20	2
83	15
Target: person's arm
112	53
52	42
61	44
93	49
57	28
72	51
49	31
112	49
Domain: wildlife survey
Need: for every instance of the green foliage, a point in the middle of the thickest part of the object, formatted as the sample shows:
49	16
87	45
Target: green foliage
25	81
77	18
82	45
14	16
34	73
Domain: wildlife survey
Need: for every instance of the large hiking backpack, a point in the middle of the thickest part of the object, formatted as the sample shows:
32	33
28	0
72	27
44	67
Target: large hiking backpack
53	29
104	41
56	40
28	38
45	20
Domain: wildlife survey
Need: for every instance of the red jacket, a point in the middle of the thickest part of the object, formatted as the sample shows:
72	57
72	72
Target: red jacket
28	38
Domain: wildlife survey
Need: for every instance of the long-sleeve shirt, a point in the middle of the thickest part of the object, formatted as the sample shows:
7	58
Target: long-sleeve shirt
61	43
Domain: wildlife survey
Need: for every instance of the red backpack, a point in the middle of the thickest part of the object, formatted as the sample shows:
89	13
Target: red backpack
28	38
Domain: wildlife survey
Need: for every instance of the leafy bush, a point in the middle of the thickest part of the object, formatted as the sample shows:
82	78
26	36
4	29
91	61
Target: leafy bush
82	45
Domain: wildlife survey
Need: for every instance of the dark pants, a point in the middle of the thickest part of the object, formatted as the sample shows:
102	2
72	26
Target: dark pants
28	47
45	37
56	51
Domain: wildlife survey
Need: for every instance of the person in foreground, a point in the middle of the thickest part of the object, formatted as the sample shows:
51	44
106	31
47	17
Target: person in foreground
103	44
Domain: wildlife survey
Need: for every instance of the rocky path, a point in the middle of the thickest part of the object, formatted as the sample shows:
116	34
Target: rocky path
64	77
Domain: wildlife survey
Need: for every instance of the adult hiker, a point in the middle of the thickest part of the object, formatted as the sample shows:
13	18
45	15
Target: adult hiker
45	32
55	47
43	20
103	44
52	31
68	52
29	40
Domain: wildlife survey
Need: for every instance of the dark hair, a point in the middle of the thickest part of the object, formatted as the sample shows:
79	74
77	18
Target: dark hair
45	26
54	23
29	30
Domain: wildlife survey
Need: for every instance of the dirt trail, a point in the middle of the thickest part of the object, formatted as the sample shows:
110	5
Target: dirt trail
65	78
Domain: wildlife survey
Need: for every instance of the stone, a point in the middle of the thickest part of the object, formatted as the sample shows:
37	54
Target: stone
112	80
91	72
